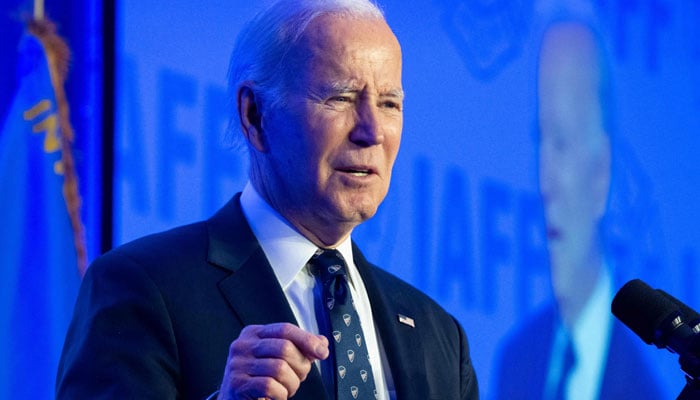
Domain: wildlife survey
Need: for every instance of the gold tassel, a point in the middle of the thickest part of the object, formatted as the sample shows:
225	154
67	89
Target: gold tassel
58	56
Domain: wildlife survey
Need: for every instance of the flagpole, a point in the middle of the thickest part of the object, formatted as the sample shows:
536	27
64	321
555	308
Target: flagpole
38	10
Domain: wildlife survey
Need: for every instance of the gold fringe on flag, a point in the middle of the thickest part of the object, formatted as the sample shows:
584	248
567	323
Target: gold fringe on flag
58	56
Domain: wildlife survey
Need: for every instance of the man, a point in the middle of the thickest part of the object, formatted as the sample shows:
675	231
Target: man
229	307
573	348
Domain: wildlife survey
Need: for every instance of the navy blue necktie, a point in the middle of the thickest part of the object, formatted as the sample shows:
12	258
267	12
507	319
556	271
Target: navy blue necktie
568	363
339	322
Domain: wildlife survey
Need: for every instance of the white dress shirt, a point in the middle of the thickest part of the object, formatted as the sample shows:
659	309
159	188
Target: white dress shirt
288	253
591	339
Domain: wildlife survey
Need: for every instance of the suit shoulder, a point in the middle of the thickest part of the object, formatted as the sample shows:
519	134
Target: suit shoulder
534	330
179	246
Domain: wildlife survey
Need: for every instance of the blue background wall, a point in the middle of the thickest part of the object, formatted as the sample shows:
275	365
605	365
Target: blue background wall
79	22
463	217
37	294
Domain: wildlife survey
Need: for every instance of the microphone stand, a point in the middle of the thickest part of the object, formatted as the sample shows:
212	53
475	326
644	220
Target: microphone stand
690	364
691	391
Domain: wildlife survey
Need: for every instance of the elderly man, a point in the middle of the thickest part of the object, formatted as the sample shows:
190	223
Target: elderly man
571	348
270	298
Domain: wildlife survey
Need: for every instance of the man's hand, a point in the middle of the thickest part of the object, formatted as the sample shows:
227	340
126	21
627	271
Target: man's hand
270	361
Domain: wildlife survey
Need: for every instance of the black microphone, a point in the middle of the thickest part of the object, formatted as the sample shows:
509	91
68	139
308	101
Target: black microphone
692	316
661	319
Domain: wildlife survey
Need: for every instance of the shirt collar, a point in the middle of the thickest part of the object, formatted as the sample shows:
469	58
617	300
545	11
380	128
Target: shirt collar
286	249
590	326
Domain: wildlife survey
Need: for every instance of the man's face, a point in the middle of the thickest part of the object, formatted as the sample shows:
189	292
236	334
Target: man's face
573	152
333	142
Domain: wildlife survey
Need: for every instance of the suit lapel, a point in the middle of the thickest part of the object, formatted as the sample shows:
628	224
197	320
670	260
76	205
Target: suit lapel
402	344
252	285
251	289
254	294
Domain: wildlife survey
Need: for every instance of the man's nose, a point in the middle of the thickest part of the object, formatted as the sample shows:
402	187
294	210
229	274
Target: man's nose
547	179
368	130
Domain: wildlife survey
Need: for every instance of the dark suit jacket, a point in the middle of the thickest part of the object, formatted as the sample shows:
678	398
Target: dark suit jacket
154	319
525	354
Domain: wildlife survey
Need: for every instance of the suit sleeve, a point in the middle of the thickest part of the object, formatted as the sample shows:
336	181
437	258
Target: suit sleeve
469	388
120	343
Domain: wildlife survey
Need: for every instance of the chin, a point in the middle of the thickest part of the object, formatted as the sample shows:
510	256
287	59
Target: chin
358	215
366	209
359	207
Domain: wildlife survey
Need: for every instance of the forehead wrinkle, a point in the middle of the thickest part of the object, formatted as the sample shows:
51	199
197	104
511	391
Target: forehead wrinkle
327	56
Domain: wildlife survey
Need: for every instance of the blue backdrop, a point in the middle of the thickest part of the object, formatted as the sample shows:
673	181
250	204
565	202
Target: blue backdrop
464	218
40	276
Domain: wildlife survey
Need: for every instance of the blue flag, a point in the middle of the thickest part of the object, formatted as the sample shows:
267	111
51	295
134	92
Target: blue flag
40	277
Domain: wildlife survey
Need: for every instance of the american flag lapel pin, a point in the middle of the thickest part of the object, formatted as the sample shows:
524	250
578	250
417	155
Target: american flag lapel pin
406	320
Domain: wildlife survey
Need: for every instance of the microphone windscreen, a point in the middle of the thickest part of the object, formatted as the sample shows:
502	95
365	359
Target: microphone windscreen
688	313
642	309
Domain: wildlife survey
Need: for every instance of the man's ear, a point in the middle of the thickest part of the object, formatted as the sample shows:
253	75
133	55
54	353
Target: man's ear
251	118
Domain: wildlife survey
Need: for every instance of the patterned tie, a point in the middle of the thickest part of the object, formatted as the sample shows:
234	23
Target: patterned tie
352	370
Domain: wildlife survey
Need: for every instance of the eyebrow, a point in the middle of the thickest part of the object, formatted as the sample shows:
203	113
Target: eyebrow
396	93
344	87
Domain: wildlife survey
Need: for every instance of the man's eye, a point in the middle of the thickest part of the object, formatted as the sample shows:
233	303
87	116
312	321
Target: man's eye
341	99
391	104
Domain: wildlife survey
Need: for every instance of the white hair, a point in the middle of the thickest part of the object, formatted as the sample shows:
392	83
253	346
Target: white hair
262	46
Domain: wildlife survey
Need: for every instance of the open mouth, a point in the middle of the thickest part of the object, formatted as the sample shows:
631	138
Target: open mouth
356	171
553	234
